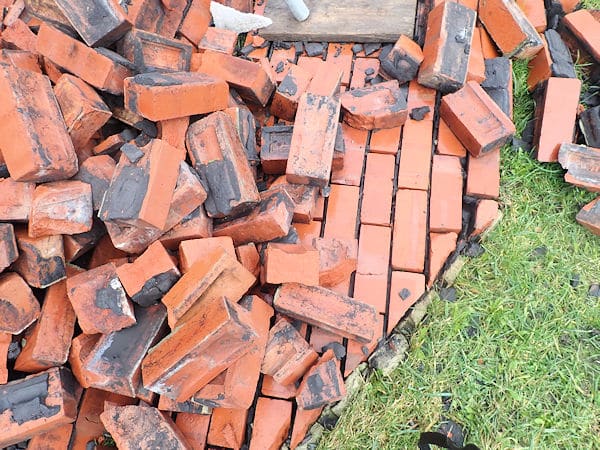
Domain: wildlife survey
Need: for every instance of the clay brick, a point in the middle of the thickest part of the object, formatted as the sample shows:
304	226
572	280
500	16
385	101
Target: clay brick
441	246
38	403
362	67
98	23
246	126
194	428
77	245
227	427
189	406
5	341
80	348
8	246
290	263
61	207
162	96
303	420
113	363
510	29
326	309
476	119
308	231
140	192
248	78
19	306
287	356
321	339
195	225
447	47
372	289
101	68
340	55
150	52
448	143
134	427
385	141
322	385
420	96
189	195
173	131
193	250
589	123
36	146
326	81
280	62
535	12
357	352
99	300
218	40
338	259
415	155
22	59
196	21
342	209
402	60
131	239
373	250
105	252
275	148
483	176
272	420
589	216
303	196
585	28
310	64
498	83
271	219
48	342
97	171
410	230
406	288
57	438
476	67
41	261
112	144
486	214
582	164
249	258
445	203
487	44
271	388
18	35
355	142
202	347
288	93
155	17
218	155
377	191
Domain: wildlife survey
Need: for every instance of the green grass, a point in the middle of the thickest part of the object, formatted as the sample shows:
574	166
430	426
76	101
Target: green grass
518	353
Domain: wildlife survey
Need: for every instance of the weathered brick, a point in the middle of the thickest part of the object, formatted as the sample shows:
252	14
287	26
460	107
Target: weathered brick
8	246
589	216
41	261
151	52
338	259
377	191
410	231
483	176
97	171
582	164
154	16
19	307
218	40
195	225
227	427
290	263
322	385
498	83
303	196
382	105
56	438
303	420
288	93
445	203
272	420
196	21
486	213
402	60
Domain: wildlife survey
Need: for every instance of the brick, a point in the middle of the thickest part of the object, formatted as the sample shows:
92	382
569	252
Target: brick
326	309
189	406
290	263
99	300
218	155
476	66
22	59
41	261
271	219
487	44
153	16
80	348
361	68
415	155
584	27
272	420
441	246
322	385
150	52
105	252
219	40
321	339
8	245
196	21
5	342
112	144
77	245
36	145
372	289
193	250
275	148
163	96
406	288
308	231
290	90
582	164
589	123
246	126
483	176
248	78
379	106
287	356
402	60
57	438
498	83
37	404
101	68
326	81
195	352
97	171
248	257
410	231
535	12
447	47
216	274
20	308
486	213
340	55
61	207
342	210
355	142
281	61
338	259
357	352
132	239
373	250
303	196
195	225
445	204
140	192
448	143
189	195
476	120
377	191
173	131
385	141
271	388
141	426
99	23
227	427
589	216
303	420
18	35
514	35
311	64
194	428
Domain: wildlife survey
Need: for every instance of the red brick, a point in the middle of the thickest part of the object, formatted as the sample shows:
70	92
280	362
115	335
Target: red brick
377	191
303	420
57	438
373	250
151	52
189	406
401	61
36	146
476	119
193	250
112	144
320	339
281	60
485	215
20	308
406	288
272	420
585	28
445	203
410	231
18	35
385	141
338	259
290	263
372	289
196	225
540	66
15	199
420	96
581	163
357	352
535	12
476	67
483	176
322	385
103	70
246	126
326	81
318	210
447	46
41	261
249	258
288	93
22	59
189	195
448	143
589	216
52	403
78	244
340	55
303	196
153	16
173	131
196	21
487	44
415	155
227	427
441	246
97	171
342	210
273	389
219	40
308	231
194	428
216	274
355	142
556	113
8	246
509	27
80	349
5	341
361	67
311	64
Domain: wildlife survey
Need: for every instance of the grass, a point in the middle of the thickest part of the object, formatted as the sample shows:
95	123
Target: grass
516	359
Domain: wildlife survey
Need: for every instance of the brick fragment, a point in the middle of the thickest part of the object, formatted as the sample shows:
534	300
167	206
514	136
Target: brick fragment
406	288
377	191
22	59
57	438
483	176
41	261
358	352
194	428
197	351
246	126
227	427
35	146
303	420
410	231
196	21
326	309
19	307
340	55
447	47
514	34
272	420
271	388
313	140
338	259
189	195
303	196
61	207
189	406
78	244
361	67
80	348
445	204
589	123
322	385
38	403
151	52
275	150
248	78
476	120
486	214
248	256
155	17
135	427
195	225
288	93
584	26
8	246
97	171
5	342
441	246
290	263
218	155
193	250
589	216
582	164
320	339
218	40
476	67
498	83
112	144
19	36
99	300
173	131
103	69
402	60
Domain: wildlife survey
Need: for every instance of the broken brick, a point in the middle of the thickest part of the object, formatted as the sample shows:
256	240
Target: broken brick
195	225
194	428
189	195
41	261
582	164
406	288
290	263
361	67
8	245
56	438
97	171
271	388
377	190
194	250
249	258
112	144
589	216
441	246
445	204
99	300
402	60
483	176
151	52
322	385
227	427
153	16
196	21
19	36
22	59
272	420
340	55
173	131
189	406
105	252
584	26
410	230
15	199
246	126
379	106
275	148
19	307
589	123
476	67
80	348
338	259
486	213
303	420
358	352
288	93
303	196
218	40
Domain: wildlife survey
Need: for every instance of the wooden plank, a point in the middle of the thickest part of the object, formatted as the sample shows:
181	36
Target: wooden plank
342	21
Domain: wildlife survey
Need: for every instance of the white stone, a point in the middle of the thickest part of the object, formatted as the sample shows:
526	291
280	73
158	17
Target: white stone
234	20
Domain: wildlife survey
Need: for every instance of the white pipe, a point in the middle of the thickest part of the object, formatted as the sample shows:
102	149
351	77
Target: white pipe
299	9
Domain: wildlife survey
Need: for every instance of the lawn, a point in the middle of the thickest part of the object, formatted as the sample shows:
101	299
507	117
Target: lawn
516	358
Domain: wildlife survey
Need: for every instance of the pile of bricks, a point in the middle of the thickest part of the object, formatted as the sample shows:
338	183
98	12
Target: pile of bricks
200	241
